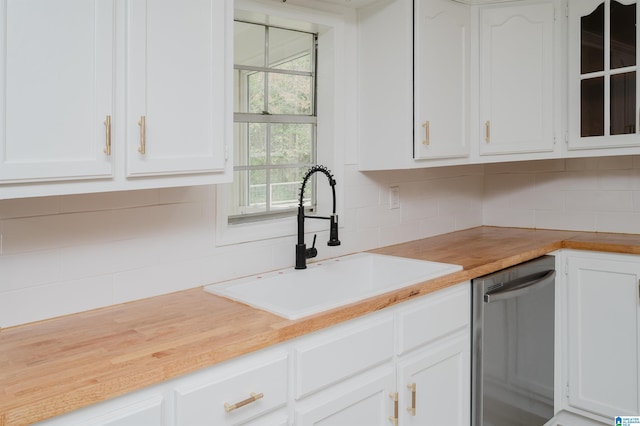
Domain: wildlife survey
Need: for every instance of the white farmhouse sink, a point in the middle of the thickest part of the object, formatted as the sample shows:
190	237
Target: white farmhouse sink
328	284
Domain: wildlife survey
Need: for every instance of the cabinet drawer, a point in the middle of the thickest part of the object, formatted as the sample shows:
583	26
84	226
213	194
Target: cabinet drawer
341	353
203	403
439	314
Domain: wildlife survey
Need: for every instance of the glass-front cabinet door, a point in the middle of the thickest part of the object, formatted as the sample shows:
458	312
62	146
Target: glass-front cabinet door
603	90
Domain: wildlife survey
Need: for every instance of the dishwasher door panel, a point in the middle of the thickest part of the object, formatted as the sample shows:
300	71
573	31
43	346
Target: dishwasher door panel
514	346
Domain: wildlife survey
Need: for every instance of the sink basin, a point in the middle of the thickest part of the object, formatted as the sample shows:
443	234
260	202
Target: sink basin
328	284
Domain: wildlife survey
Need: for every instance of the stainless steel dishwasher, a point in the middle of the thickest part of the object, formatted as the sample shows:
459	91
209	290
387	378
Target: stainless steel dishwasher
513	313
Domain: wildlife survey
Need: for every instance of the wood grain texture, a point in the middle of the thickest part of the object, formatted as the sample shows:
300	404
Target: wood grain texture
59	365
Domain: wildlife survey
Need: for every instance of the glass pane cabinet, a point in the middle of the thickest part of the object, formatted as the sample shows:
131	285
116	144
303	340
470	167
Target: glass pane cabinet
603	51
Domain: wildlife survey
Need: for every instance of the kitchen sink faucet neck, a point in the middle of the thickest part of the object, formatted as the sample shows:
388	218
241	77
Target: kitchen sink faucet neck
302	252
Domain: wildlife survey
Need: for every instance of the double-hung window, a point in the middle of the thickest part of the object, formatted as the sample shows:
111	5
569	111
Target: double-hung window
274	120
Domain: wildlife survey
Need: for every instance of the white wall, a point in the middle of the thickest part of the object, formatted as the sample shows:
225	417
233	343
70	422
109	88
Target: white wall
65	254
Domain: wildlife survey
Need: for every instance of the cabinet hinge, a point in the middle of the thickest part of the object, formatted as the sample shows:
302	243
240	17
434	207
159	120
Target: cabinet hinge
566	138
566	10
226	153
567	390
566	266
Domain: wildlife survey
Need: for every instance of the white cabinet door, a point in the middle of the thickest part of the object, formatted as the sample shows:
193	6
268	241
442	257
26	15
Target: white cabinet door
516	78
441	79
603	327
176	86
366	401
56	89
385	92
603	78
234	393
127	410
434	385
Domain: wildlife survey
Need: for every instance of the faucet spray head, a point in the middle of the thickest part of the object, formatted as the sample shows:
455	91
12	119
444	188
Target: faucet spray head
333	232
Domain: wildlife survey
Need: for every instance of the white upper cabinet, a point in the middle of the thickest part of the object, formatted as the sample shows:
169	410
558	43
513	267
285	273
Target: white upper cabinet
441	79
99	95
385	98
603	89
175	122
56	89
517	78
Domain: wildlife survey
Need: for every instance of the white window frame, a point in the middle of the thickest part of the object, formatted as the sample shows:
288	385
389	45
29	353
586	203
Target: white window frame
247	117
331	23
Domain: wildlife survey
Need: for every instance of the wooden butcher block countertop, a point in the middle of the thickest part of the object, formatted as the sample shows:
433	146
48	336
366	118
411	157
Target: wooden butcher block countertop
59	365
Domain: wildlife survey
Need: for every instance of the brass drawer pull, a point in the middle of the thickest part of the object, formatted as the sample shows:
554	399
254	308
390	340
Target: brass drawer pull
487	131
107	125
394	419
412	409
142	149
426	133
253	398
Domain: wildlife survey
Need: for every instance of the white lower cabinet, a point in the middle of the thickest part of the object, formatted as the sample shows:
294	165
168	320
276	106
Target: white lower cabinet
232	397
603	335
355	373
432	352
143	408
434	384
367	400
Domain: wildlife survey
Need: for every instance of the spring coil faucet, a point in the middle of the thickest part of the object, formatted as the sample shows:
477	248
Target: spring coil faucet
302	252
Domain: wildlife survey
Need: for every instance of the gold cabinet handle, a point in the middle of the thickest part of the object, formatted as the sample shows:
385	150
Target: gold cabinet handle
487	131
426	132
107	125
253	398
394	419
142	149
412	409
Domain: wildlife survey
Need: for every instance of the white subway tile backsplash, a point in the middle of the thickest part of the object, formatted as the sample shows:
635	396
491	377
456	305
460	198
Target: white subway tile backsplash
511	217
617	179
615	163
571	220
26	207
108	200
362	196
26	270
436	226
56	299
613	201
164	278
70	253
622	222
22	235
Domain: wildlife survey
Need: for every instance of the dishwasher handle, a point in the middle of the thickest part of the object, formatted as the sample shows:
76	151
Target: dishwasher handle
521	289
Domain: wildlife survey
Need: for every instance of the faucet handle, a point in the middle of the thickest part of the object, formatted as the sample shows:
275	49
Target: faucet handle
313	251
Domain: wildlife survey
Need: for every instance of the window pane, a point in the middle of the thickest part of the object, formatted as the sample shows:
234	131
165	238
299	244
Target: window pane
249	92
246	197
286	48
623	35
623	103
291	143
249	44
592	107
258	188
290	94
592	40
250	144
285	187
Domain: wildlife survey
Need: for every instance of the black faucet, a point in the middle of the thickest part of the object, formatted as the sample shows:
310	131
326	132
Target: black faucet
302	252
